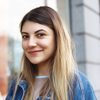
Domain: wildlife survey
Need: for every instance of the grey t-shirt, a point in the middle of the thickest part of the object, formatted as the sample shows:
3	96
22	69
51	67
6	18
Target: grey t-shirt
39	84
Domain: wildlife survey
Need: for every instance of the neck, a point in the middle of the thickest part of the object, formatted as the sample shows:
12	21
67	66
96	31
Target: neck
43	69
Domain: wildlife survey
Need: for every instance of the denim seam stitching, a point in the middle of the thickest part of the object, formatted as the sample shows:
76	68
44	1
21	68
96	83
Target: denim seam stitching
81	86
23	92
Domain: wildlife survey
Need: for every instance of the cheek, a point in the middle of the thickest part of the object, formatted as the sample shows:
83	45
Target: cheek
24	46
53	46
43	43
48	44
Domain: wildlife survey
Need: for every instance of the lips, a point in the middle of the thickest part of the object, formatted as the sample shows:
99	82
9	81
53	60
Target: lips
35	52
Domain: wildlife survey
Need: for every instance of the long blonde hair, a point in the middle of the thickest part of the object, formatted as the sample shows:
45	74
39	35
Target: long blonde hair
63	64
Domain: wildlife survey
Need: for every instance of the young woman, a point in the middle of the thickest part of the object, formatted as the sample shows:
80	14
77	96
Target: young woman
49	70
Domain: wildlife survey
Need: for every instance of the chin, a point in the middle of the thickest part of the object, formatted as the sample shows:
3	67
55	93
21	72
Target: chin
34	62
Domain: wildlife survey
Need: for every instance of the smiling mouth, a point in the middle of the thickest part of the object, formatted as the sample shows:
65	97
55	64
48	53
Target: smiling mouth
35	52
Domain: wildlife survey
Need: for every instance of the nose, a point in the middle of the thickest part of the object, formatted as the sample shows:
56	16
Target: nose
32	42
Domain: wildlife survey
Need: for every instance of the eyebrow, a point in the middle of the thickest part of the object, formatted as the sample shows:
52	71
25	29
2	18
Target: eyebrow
34	32
40	30
24	33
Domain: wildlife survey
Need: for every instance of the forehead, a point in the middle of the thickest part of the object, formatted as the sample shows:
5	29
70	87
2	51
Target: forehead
33	26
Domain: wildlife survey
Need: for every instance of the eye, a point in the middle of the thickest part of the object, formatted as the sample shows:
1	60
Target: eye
41	34
25	36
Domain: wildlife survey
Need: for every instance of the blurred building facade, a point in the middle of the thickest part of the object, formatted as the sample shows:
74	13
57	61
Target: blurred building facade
3	65
3	48
85	21
83	18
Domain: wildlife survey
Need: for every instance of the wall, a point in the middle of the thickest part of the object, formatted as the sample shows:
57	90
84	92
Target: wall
86	33
3	64
3	46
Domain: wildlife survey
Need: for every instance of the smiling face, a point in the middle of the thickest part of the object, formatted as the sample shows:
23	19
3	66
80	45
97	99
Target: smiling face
38	42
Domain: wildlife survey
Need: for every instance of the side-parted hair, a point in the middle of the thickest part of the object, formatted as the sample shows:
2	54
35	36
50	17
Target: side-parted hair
63	64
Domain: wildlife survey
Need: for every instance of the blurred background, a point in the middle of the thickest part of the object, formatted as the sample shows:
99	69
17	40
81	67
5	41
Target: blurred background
83	19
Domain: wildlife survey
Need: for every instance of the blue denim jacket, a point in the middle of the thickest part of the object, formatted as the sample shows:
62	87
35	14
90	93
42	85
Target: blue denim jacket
82	89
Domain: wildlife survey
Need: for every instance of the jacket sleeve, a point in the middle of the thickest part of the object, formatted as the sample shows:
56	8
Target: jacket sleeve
83	90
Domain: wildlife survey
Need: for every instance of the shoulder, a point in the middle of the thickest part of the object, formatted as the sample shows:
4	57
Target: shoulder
21	88
82	87
11	90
